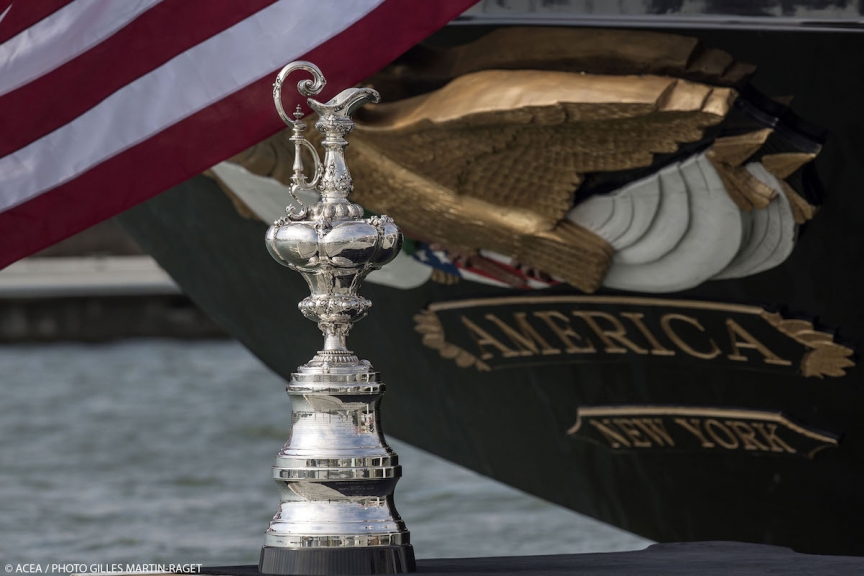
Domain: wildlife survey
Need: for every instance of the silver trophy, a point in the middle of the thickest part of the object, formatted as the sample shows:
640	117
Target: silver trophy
336	474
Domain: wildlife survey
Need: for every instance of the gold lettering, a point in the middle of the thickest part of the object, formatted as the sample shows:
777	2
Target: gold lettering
483	338
528	340
565	333
749	341
746	434
693	427
618	333
626	424
657	349
612	436
655	429
774	441
666	323
730	442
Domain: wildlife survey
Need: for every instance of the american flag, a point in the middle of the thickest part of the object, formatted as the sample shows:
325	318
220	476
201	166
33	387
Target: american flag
106	103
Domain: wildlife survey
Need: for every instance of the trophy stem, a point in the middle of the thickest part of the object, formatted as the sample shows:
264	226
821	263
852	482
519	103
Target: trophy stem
335	342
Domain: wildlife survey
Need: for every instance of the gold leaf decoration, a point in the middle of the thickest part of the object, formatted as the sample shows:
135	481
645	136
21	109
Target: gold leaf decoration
735	150
485	145
427	210
493	159
743	188
825	357
785	164
428	324
565	49
503	136
729	153
727	156
802	210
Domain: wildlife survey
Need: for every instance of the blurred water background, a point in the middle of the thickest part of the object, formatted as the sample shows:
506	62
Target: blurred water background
159	451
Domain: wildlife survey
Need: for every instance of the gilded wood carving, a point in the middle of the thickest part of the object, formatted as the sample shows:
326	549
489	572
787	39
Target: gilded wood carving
476	158
497	333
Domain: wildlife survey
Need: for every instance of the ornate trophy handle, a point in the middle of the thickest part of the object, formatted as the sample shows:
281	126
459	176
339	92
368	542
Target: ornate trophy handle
306	88
318	168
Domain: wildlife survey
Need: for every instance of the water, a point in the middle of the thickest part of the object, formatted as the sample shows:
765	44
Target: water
160	452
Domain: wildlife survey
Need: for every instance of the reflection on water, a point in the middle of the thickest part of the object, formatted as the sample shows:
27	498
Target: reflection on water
160	452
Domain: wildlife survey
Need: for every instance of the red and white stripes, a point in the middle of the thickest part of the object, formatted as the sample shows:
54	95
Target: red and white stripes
105	103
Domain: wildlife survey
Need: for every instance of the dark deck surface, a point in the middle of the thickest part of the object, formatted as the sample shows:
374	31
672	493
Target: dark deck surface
690	559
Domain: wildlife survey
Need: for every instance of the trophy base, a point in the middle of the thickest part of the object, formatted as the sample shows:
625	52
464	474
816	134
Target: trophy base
320	561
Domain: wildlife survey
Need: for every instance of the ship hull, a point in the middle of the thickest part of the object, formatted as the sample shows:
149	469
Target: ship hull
573	426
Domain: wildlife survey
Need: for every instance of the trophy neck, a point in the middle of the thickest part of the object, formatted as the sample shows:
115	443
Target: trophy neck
336	181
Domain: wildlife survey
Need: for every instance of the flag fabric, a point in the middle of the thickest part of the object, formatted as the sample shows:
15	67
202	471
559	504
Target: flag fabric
489	268
106	103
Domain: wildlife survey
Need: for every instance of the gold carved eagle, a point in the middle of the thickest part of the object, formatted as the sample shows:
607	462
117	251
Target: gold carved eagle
521	142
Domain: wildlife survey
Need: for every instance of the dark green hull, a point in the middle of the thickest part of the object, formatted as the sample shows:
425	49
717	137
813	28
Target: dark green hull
797	481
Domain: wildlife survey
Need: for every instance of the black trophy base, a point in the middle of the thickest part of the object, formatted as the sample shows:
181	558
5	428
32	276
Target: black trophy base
320	561
681	559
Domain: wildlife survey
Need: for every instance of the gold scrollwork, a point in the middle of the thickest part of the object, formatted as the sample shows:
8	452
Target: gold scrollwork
702	428
826	357
428	324
823	356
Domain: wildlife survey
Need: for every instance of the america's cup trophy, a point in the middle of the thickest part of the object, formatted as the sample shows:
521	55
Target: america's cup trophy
336	474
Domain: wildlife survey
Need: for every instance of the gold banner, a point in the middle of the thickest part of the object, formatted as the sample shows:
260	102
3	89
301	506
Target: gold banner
687	428
494	333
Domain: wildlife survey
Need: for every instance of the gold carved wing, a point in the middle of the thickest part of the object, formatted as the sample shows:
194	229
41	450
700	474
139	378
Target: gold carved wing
471	157
523	139
493	159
